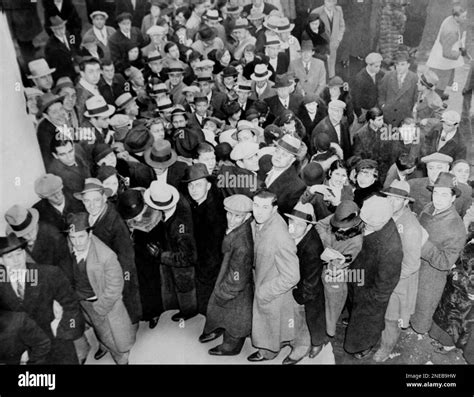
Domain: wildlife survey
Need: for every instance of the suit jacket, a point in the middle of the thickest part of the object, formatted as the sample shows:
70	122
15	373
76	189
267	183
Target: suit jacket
314	81
276	107
283	63
141	9
365	91
268	92
455	147
326	126
118	44
336	30
60	57
309	124
111	93
397	104
105	49
49	214
69	14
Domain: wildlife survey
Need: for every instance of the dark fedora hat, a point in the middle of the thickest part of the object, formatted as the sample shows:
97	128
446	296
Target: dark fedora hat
10	243
77	222
313	174
346	215
230	71
123	16
130	203
282	81
138	139
446	179
400	189
195	172
206	33
160	154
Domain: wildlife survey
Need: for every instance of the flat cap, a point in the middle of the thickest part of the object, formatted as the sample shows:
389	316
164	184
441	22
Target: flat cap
373	57
244	150
439	157
238	204
451	116
155	29
47	185
337	104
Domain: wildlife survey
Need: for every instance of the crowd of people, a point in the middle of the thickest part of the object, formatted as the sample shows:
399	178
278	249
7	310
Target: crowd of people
201	158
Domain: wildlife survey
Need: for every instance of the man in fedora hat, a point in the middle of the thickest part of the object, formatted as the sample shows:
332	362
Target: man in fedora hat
258	5
212	19
209	228
398	91
176	250
99	282
379	265
256	18
164	161
126	103
111	85
278	61
282	179
215	98
34	288
429	105
230	306
174	82
98	113
110	228
241	32
243	89
65	88
157	36
261	86
440	251
309	70
310	320
41	74
201	110
402	302
67	12
87	86
276	274
185	139
123	37
207	40
60	49
283	100
100	31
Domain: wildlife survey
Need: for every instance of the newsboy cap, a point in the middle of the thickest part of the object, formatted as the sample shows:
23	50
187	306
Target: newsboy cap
238	204
439	157
47	185
373	57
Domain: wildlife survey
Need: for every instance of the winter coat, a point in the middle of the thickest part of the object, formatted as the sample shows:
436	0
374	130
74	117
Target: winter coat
69	14
455	147
60	57
365	91
447	236
380	260
118	44
49	214
142	7
402	302
112	230
313	81
50	285
326	126
309	290
276	274
232	179
230	305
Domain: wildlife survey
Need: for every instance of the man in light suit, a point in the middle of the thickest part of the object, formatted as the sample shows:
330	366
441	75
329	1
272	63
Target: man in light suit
331	15
100	31
309	70
261	86
398	92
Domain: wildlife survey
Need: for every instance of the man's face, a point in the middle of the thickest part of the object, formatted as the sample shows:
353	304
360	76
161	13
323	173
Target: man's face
156	66
242	95
272	51
198	189
205	87
251	163
235	220
44	83
201	108
377	123
283	92
179	18
330	4
157	131
132	109
56	198
296	228
125	26
60	31
229	81
157	38
282	159
461	18
443	198
110	160
402	67
263	209
397	203
461	171
173	52
209	160
335	114
261	83
434	168
94	202
31	236
99	21
66	154
69	98
79	240
306	55
374	67
366	178
239	34
102	122
449	126
91	73
175	78
179	121
108	71
15	260
57	114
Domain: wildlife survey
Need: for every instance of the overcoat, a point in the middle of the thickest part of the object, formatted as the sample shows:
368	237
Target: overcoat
276	274
230	305
60	57
326	126
380	259
438	256
313	81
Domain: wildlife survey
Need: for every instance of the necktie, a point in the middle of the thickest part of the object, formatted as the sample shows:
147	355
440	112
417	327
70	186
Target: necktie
65	42
134	4
20	289
306	67
400	81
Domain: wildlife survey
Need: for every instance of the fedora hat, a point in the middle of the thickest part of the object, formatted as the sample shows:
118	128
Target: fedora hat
175	67
156	30
306	45
164	104
154	56
446	179
160	154
46	100
123	16
289	143
161	196
159	88
212	15
261	72
207	34
195	172
243	86
255	15
96	106
346	215
123	100
10	243
241	23
233	9
303	212
130	203
282	82
21	220
39	68
93	185
101	150
230	71
429	79
56	22
248	126
138	139
77	222
63	82
284	25
400	189
272	23
272	40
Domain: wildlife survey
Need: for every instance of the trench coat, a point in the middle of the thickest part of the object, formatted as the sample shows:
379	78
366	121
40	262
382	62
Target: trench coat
276	274
230	305
402	302
380	259
438	256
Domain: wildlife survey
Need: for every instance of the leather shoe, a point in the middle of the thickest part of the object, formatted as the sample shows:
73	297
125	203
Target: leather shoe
219	351
291	361
180	316
257	356
152	323
100	353
315	350
204	338
362	354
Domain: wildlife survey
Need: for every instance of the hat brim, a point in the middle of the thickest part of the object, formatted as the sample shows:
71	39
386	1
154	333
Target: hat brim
11	248
95	13
266	77
150	203
346	224
147	145
21	233
155	164
297	218
237	11
58	26
107	113
281	86
287	30
45	106
455	189
105	190
384	193
254	131
50	71
210	178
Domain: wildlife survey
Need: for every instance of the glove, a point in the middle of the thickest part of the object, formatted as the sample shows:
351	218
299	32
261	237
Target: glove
154	249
